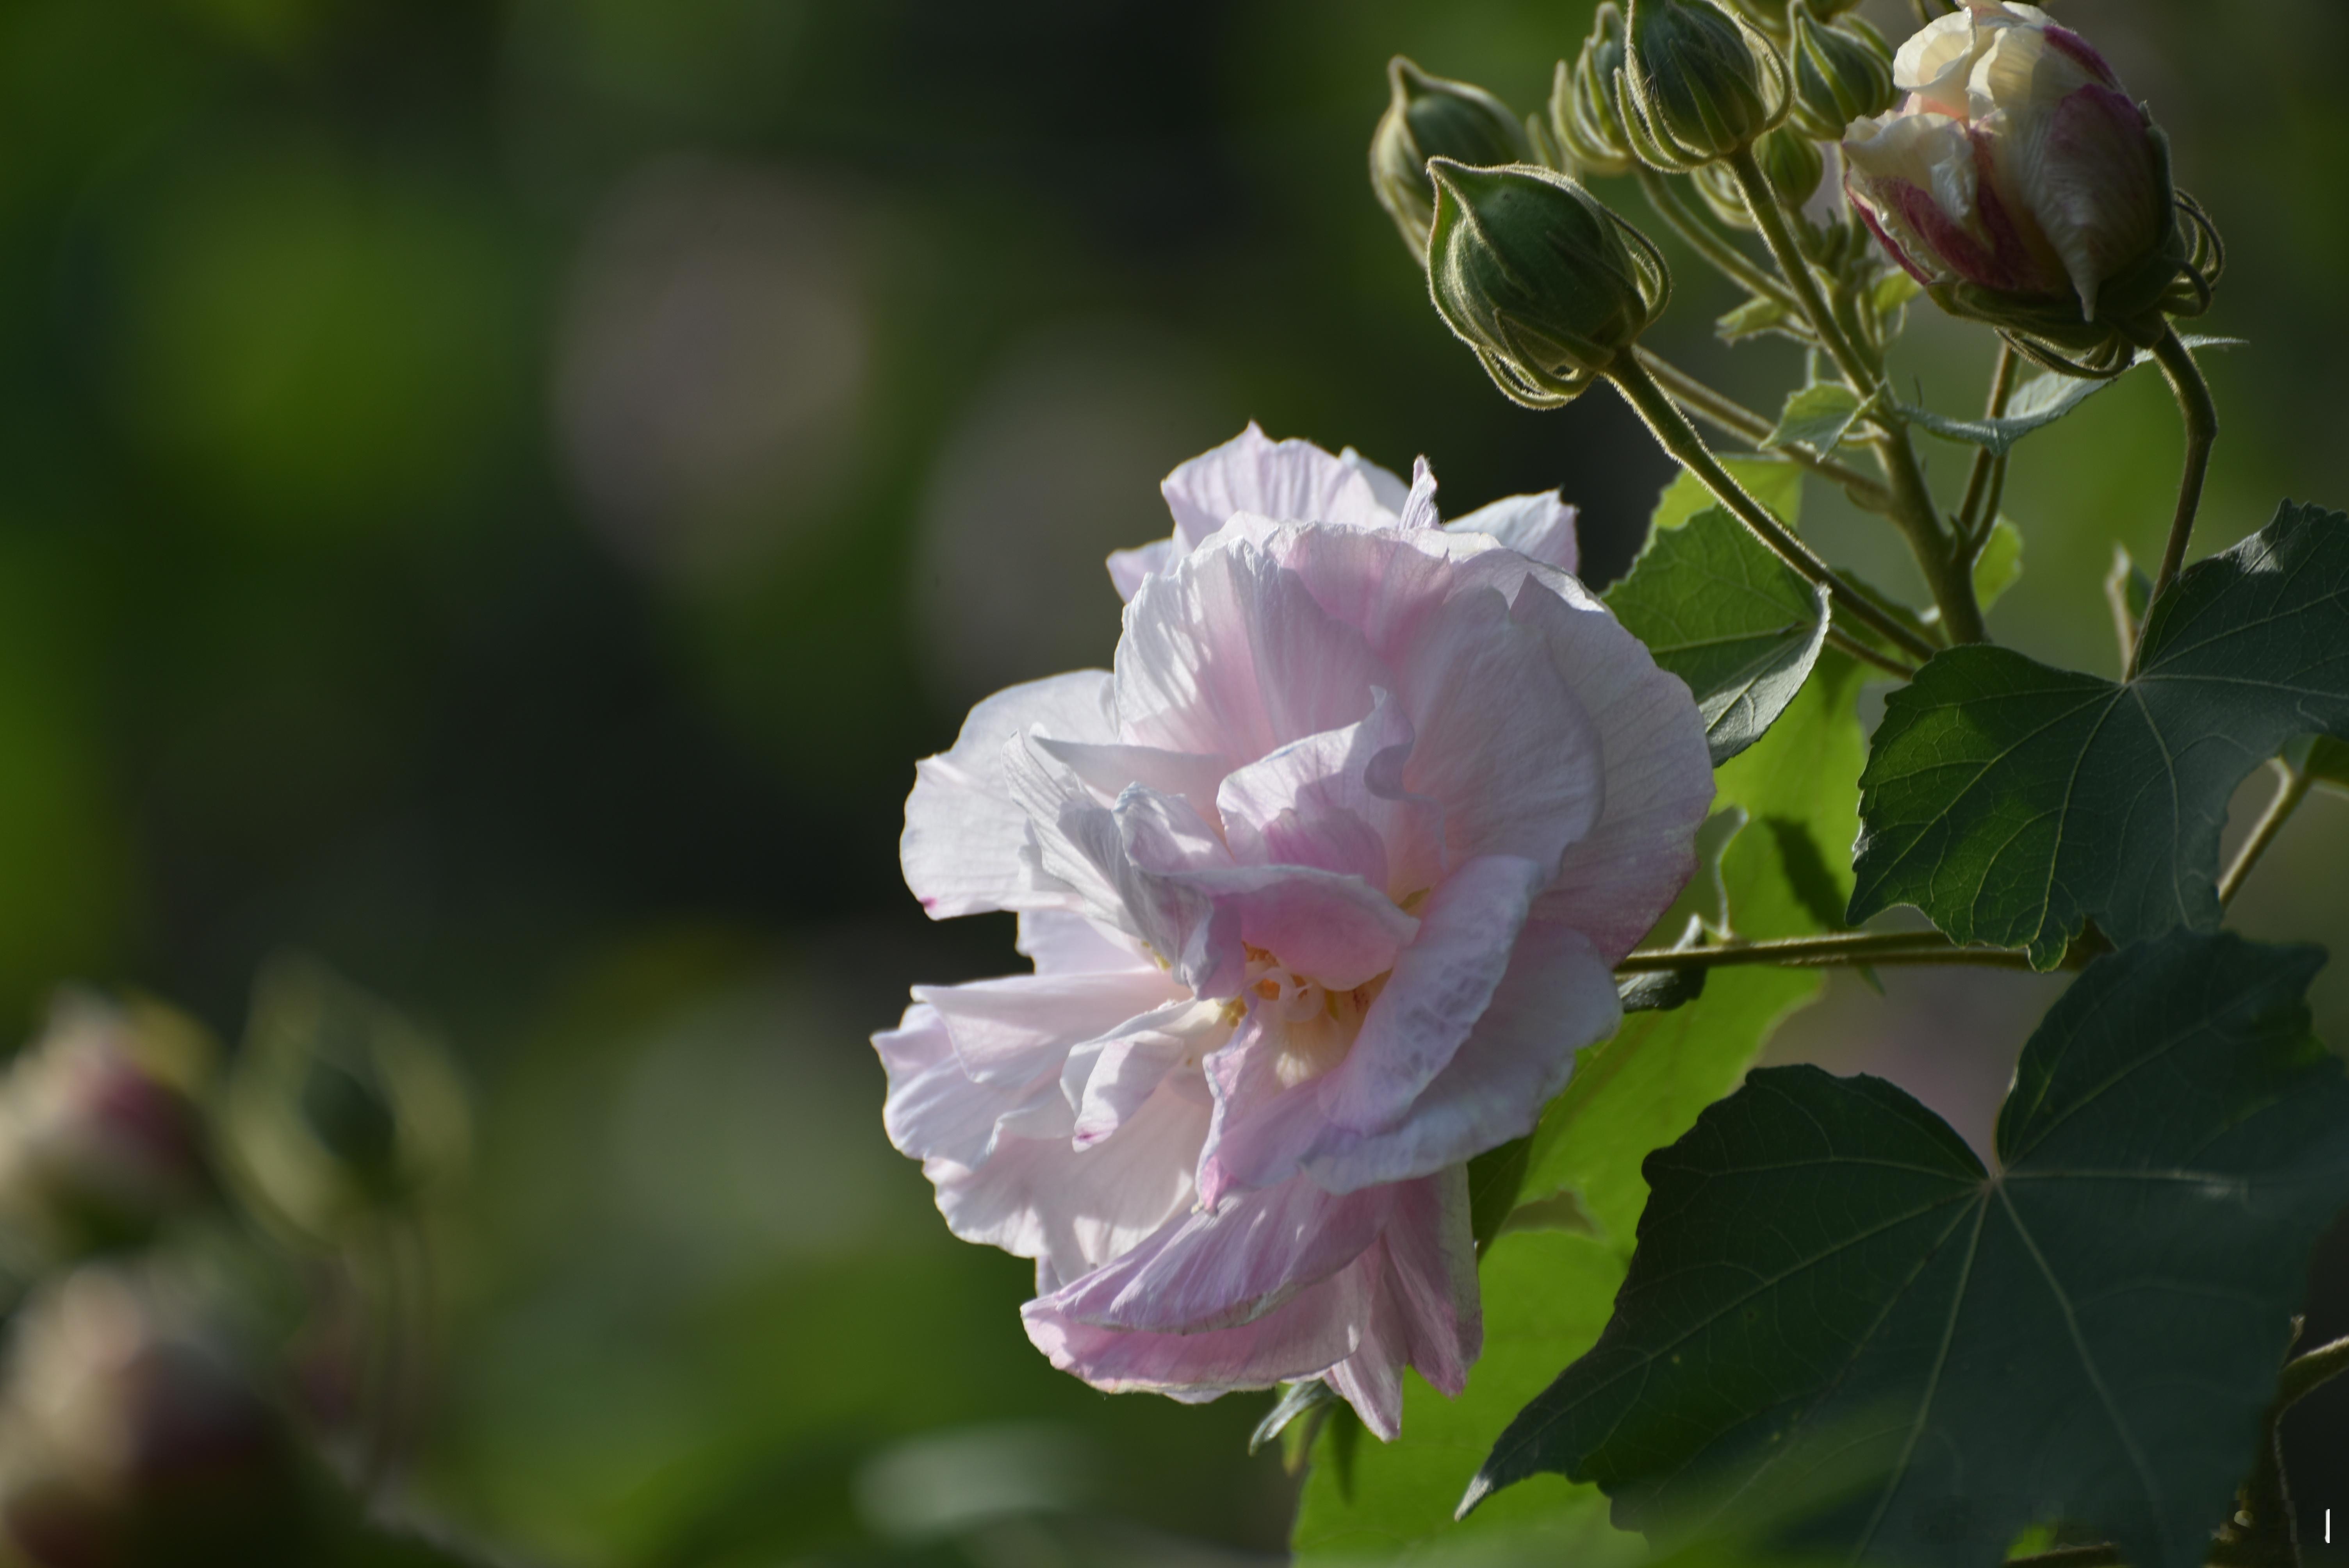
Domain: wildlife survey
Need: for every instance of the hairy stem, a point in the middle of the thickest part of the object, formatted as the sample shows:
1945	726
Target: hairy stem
1845	949
1709	244
2292	787
1679	437
1844	642
1942	559
1973	518
1770	218
2201	416
1734	419
2303	1374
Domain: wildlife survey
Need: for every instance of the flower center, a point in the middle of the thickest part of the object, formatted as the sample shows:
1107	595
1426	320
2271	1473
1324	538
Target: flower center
1309	1026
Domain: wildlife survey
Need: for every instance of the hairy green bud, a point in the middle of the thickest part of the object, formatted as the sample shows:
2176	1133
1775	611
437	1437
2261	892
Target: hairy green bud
1841	72
1583	113
1698	85
1429	116
1539	277
1775	17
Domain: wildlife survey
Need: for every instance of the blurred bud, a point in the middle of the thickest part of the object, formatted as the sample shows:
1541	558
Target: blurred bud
1538	276
136	1429
1792	160
1842	72
339	1107
1429	116
100	1136
2023	187
1698	84
1583	112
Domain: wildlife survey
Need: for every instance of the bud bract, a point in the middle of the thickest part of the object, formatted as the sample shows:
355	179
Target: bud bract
1775	17
1842	72
1429	116
1793	162
100	1137
2022	187
339	1107
1698	84
1583	112
136	1428
1539	277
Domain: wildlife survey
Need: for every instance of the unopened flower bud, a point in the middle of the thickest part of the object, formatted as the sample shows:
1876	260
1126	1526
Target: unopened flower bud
1793	162
1698	84
136	1428
1539	277
1429	116
100	1137
2023	187
1842	72
1584	114
1774	17
339	1107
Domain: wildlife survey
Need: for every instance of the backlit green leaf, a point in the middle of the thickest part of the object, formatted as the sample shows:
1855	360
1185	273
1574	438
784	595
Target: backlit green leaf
1817	419
2035	404
1833	1303
1717	609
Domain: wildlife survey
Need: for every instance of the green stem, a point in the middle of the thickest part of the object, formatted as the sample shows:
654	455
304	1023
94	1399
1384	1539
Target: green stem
1770	218
1734	419
1940	558
2305	1374
1709	244
1679	437
1971	518
1844	642
2201	416
1846	949
2290	791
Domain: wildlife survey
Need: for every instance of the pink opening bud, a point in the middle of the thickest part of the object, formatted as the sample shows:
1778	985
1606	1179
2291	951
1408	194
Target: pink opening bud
2017	165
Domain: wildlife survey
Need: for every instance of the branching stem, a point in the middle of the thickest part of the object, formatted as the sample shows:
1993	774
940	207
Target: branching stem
2292	789
2201	416
1705	242
1679	437
1734	419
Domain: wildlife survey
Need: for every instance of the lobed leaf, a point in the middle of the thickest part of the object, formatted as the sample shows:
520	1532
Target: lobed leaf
1717	609
1836	1308
2035	404
2013	803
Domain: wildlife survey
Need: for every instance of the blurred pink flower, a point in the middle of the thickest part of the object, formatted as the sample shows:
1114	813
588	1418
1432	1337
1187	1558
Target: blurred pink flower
1324	886
2017	163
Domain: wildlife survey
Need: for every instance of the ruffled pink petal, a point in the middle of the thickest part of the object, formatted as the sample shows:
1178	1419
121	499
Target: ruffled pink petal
1538	526
1205	1271
1615	880
965	829
1109	1079
1006	1031
1293	480
1074	1210
1315	1329
1390	489
1557	996
1128	569
1109	772
1265	1131
1231	656
934	1110
1061	943
1426	1311
1337	801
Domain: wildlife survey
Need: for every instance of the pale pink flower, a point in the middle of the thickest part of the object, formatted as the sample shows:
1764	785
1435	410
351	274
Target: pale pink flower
1324	885
2017	163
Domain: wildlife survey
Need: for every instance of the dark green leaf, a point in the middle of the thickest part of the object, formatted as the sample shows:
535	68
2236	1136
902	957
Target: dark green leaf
1817	419
2327	760
1833	1302
1296	1399
1717	609
2035	404
2013	803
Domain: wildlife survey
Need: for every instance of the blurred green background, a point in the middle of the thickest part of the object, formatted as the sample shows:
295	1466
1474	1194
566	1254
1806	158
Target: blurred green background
497	495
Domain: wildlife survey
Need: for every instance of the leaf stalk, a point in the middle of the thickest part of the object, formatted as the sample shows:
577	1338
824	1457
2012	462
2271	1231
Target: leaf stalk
2201	416
2292	789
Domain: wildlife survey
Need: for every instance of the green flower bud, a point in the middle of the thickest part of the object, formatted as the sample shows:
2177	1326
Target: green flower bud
1539	277
1428	117
1699	84
1583	113
1792	160
1775	16
1841	73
